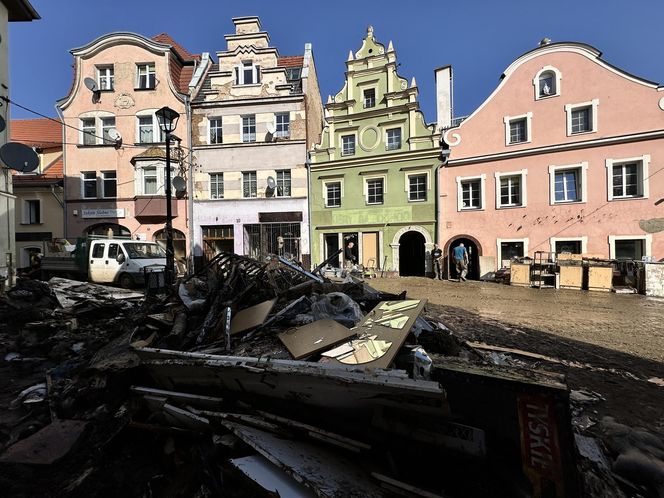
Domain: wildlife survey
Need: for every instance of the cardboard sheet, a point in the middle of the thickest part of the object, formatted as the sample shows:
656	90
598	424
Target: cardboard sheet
315	337
252	317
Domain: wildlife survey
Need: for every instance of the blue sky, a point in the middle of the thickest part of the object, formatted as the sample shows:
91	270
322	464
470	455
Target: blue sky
479	38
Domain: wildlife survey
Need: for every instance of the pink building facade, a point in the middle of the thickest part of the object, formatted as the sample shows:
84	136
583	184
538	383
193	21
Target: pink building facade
114	152
564	155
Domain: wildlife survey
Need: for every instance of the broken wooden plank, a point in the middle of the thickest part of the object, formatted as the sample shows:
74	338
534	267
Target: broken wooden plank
314	337
196	400
326	472
251	317
47	445
518	352
270	477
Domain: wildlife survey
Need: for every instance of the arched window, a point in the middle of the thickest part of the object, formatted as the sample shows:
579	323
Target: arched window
547	82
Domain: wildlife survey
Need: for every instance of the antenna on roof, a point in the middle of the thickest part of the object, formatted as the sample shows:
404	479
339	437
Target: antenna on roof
19	157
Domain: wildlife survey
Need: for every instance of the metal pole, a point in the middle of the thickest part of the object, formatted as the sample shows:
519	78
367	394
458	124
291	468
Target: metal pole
169	216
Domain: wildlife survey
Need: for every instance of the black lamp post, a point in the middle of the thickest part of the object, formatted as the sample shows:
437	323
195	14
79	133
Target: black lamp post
168	121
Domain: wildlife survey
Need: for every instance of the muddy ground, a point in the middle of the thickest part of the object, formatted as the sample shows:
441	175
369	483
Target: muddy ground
609	343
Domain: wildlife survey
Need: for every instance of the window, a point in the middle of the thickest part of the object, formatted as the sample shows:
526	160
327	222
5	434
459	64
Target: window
374	190
32	214
547	84
113	250
216	185
347	145
567	186
633	247
216	134
470	192
145	77
417	187
282	125
150	181
517	129
89	184
582	118
571	246
283	183
98	250
511	189
105	78
249	184
149	130
89	131
247	74
106	125
393	138
332	194
369	98
509	249
628	178
249	128
109	184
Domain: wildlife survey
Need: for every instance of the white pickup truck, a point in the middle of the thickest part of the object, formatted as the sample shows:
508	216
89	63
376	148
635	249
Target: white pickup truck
121	261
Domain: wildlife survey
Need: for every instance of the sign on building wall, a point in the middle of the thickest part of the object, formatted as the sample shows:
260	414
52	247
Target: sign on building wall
103	213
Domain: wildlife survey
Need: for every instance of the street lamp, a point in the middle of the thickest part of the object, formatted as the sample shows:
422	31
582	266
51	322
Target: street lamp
168	121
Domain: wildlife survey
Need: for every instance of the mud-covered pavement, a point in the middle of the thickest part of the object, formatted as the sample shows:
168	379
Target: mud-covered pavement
609	343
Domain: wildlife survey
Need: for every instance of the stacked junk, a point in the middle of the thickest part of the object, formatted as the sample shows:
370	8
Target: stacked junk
263	379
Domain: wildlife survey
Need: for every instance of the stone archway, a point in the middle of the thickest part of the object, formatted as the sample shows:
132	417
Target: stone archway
474	249
428	246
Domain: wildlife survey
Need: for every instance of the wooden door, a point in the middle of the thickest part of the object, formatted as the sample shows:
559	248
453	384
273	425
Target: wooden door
370	249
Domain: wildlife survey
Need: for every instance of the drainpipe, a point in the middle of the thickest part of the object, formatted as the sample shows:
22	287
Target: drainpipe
445	155
64	172
190	186
307	164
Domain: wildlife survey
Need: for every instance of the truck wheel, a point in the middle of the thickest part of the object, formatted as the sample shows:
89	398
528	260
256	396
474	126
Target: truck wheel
126	281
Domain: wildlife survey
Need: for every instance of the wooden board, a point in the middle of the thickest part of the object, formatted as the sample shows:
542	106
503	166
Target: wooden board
47	445
600	278
569	257
519	274
314	337
252	317
571	277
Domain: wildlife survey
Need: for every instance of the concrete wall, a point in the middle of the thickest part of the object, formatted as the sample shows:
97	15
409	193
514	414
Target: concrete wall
6	197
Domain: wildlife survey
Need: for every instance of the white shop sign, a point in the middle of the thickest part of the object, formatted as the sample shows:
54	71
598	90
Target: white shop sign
103	213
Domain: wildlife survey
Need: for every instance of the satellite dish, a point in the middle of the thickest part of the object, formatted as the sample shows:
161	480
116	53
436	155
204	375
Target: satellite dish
3	124
19	157
114	134
270	128
179	184
91	84
271	183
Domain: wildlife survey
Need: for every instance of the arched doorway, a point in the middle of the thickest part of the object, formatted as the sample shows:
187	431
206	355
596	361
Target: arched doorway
411	254
179	244
474	250
108	230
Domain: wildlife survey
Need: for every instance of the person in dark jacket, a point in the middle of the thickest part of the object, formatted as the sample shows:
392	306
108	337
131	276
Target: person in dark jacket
437	262
349	255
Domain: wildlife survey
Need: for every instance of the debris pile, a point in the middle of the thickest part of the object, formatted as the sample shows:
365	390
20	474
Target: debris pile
263	379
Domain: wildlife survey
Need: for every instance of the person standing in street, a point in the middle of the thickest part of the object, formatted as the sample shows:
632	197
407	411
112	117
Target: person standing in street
461	261
349	256
436	260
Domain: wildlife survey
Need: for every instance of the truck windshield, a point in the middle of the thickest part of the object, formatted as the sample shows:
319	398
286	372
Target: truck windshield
143	250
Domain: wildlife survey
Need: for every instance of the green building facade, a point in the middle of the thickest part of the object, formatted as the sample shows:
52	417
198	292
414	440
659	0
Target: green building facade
373	176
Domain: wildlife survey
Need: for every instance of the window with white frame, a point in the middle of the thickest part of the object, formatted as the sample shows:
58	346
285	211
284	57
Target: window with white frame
369	97
569	246
32	212
216	185
417	187
632	247
109	184
547	84
374	189
471	192
88	131
393	138
627	178
89	184
581	118
332	193
247	73
150	180
249	128
347	145
216	131
511	189
282	125
518	129
567	185
249	184
105	78
509	249
283	183
107	123
145	76
148	129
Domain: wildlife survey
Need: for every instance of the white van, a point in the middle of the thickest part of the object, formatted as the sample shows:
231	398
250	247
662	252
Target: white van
123	261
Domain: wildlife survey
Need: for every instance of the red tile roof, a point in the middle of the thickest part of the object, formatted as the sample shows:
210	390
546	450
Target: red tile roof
42	133
55	169
290	61
51	174
182	52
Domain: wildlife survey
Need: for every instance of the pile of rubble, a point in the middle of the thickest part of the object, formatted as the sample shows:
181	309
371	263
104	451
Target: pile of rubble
263	379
